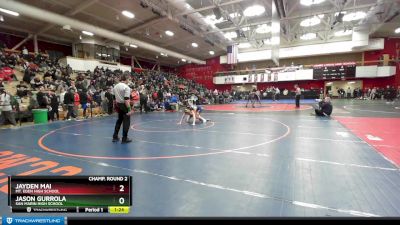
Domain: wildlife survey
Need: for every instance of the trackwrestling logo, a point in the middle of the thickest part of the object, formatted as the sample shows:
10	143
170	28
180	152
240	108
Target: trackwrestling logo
33	220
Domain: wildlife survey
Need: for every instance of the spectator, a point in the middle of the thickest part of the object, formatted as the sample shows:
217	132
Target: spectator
6	108
54	104
69	102
83	100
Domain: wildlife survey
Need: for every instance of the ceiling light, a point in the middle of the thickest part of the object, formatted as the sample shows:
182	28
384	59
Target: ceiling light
212	20
169	33
254	10
263	29
234	15
133	46
351	82
354	16
397	30
244	45
9	12
245	28
163	54
309	22
311	2
183	60
211	52
80	37
195	45
128	14
1	18
308	36
230	35
343	33
87	33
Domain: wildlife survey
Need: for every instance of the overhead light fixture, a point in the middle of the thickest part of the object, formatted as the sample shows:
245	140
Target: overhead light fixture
397	31
309	22
255	10
351	82
263	29
354	16
87	33
212	20
244	45
308	36
329	83
195	45
311	2
163	54
234	15
128	14
1	18
9	12
183	60
211	52
80	37
156	56
245	28
230	35
341	33
133	46
169	33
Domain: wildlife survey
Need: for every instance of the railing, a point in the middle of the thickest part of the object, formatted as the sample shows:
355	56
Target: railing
19	52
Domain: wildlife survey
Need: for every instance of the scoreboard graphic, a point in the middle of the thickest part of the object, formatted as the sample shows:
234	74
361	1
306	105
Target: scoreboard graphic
79	194
334	71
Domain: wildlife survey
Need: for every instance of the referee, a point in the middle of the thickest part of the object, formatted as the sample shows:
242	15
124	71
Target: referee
298	94
122	94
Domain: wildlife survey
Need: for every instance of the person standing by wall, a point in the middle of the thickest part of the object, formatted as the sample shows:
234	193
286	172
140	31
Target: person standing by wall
6	113
122	94
297	95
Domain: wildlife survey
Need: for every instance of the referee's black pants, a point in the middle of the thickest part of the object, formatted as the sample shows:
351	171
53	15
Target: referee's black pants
123	120
297	101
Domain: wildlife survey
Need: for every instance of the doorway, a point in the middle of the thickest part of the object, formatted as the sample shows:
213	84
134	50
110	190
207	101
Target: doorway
332	87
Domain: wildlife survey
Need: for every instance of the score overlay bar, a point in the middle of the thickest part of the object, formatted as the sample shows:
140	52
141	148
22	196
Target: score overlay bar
88	194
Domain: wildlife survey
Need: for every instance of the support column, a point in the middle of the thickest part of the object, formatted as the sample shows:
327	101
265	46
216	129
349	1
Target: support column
35	44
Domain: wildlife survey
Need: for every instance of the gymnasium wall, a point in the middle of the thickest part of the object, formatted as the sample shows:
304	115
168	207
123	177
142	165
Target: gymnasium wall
203	73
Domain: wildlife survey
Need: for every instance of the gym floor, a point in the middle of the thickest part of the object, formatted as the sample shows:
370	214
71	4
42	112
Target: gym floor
272	160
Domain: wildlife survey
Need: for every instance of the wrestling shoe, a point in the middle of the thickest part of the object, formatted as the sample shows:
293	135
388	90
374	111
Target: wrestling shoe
115	139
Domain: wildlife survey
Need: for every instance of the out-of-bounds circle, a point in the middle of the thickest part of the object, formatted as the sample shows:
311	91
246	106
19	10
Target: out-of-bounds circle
210	152
257	107
173	124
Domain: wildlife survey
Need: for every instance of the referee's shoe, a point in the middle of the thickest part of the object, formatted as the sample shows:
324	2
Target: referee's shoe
125	141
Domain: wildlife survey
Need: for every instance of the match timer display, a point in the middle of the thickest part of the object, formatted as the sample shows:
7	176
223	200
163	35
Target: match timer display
78	194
